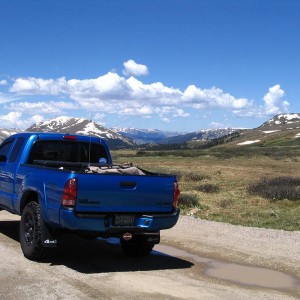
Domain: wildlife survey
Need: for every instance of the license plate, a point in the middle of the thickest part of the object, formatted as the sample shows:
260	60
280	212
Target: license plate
124	220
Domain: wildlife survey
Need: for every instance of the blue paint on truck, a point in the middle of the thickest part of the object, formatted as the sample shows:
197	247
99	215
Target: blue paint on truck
62	182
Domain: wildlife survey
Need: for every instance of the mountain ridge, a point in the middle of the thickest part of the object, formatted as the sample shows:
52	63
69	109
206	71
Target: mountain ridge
84	127
283	127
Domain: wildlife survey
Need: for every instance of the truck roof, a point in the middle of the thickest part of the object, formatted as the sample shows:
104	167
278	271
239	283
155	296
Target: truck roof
59	136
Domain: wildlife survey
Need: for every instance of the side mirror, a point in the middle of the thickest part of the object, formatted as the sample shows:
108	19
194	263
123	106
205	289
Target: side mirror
3	158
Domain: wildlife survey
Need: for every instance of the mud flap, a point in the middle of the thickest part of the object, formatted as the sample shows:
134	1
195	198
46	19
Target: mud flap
49	238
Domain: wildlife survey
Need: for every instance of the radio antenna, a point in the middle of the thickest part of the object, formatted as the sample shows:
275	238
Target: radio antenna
90	143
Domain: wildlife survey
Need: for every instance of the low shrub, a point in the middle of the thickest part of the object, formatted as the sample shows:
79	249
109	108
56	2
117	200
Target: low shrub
195	177
188	200
208	188
279	188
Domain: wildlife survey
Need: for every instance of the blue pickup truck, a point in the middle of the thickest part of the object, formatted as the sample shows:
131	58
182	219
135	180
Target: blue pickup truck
68	183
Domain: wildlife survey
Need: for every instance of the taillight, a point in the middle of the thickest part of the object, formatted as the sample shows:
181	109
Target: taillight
176	194
70	193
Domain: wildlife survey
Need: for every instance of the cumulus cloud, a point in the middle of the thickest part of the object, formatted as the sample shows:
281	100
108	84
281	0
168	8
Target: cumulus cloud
213	98
11	120
273	101
11	117
115	94
31	85
17	120
111	91
3	82
131	68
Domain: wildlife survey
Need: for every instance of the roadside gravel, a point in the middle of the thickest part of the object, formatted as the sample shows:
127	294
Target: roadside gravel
276	249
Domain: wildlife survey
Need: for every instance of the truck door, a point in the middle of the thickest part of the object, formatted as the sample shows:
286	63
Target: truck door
9	153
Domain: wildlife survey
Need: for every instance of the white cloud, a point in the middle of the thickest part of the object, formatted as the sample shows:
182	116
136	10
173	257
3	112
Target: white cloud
166	120
3	82
273	102
37	118
31	86
181	113
111	91
11	117
14	120
213	98
131	68
51	107
115	94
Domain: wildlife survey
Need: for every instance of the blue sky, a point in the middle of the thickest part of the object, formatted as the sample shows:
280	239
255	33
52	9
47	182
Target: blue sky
172	65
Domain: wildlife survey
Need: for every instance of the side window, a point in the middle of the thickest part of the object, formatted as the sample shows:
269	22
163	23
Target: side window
5	147
16	149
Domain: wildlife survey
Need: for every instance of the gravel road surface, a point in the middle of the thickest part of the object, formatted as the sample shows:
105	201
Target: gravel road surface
196	259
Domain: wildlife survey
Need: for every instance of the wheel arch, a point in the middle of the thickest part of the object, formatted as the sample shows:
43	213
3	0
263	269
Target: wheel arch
27	197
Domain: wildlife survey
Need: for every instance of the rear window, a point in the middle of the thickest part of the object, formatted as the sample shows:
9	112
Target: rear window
68	151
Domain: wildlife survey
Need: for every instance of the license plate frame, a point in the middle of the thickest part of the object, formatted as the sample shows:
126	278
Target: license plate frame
124	220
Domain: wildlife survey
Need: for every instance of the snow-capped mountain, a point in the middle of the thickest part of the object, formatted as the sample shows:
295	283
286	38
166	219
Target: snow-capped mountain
145	136
4	133
272	128
282	122
83	127
201	135
281	129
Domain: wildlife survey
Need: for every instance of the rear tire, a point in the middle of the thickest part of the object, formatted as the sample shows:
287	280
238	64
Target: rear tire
30	232
138	246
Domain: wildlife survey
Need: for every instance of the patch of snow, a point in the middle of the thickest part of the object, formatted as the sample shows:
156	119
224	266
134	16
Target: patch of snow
289	116
277	122
297	135
270	131
248	142
80	120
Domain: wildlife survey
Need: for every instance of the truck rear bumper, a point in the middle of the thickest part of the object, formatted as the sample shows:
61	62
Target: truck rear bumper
104	223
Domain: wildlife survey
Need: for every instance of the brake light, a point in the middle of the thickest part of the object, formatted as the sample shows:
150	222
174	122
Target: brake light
176	194
70	137
70	193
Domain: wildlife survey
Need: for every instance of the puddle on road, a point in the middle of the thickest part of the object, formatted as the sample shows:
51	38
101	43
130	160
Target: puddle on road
236	273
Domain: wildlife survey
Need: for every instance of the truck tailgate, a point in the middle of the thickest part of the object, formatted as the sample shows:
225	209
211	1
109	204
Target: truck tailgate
125	193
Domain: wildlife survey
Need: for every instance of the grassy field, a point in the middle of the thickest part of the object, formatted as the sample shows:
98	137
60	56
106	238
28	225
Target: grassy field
215	188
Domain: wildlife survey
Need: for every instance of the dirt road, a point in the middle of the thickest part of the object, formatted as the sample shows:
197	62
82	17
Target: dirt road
196	260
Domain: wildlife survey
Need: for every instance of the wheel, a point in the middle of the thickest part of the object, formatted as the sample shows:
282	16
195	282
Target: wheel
30	232
138	246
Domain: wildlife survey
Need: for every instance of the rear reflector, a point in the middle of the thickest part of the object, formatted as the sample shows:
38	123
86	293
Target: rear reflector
176	195
70	193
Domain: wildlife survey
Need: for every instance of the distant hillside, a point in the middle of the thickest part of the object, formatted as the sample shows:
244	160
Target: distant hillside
145	136
281	130
199	136
84	127
282	122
